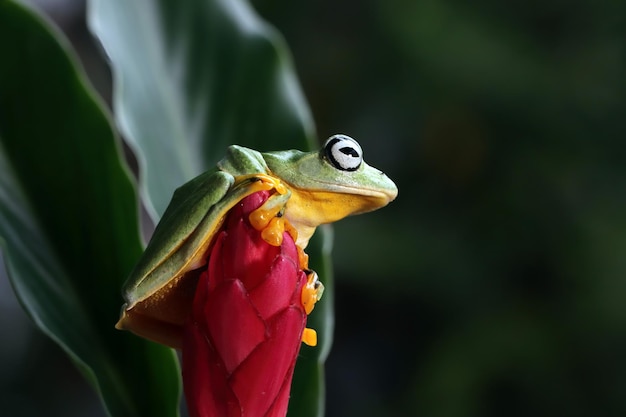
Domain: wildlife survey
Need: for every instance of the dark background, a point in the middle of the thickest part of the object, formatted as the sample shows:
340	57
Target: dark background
496	283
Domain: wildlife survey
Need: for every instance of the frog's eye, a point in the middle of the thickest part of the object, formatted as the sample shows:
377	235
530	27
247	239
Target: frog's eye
343	152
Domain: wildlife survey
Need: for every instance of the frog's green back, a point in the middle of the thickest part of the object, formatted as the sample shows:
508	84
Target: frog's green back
192	203
188	207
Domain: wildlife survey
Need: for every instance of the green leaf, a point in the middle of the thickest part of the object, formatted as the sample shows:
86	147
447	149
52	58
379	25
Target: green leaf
68	218
192	78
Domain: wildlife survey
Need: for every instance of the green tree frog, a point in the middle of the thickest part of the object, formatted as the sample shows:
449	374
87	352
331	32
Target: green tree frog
309	189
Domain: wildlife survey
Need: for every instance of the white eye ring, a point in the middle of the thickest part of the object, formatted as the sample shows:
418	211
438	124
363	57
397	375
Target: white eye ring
343	152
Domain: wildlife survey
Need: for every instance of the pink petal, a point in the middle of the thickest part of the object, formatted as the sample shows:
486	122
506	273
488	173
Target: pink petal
206	388
288	248
216	260
279	408
234	325
246	256
276	290
253	202
259	379
199	298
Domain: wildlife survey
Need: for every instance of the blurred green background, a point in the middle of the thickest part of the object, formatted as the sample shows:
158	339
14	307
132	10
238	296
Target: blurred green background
496	283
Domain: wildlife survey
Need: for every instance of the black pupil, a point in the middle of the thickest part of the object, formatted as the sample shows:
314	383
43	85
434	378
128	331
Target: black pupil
346	150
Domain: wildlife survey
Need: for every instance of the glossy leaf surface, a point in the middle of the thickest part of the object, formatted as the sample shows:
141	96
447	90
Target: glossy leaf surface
192	78
68	218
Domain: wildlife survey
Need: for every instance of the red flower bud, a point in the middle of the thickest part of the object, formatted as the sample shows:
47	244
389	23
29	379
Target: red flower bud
242	339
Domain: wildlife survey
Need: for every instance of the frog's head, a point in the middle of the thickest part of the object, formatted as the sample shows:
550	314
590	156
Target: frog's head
331	183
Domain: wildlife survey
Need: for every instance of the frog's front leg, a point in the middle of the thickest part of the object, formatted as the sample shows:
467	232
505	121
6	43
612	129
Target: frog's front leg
268	218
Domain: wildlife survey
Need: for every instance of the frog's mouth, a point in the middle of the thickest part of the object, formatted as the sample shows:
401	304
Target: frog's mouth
383	195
